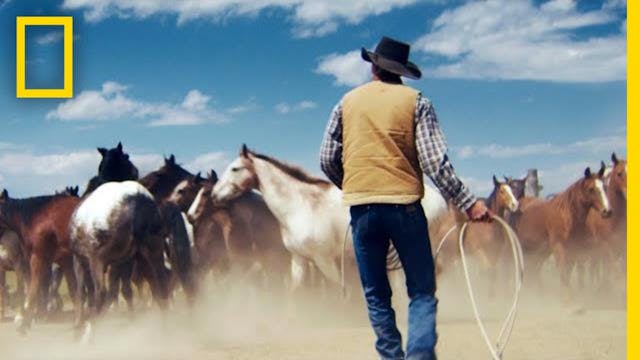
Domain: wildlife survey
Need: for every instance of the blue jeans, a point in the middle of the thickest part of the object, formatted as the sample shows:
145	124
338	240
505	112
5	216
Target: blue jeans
373	226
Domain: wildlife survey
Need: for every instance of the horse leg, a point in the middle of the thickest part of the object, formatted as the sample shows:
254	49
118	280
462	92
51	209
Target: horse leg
153	262
125	278
39	266
80	275
113	285
563	265
3	293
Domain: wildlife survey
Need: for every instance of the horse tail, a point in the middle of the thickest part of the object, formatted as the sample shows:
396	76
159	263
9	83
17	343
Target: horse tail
180	249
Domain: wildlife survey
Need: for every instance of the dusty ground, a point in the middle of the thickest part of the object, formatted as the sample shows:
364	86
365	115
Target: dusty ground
240	324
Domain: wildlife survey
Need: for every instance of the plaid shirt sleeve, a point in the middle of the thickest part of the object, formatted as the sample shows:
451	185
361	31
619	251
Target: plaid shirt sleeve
331	148
432	154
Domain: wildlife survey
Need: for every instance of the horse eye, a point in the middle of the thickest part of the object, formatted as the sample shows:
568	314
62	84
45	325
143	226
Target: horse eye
235	169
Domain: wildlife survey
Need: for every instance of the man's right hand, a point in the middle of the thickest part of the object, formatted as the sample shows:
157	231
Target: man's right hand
478	212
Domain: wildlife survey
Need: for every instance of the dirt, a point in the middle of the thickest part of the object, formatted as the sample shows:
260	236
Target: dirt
233	322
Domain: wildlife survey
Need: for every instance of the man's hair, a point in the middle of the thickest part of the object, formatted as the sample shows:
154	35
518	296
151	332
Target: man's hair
384	75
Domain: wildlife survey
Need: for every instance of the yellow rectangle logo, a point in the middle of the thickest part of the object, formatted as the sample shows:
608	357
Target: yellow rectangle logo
67	24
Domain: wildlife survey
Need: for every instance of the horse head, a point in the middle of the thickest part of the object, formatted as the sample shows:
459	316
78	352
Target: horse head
115	165
185	192
4	197
592	191
518	186
162	183
504	196
618	176
69	191
238	178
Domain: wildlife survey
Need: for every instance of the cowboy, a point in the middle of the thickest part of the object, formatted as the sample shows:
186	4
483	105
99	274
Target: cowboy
380	138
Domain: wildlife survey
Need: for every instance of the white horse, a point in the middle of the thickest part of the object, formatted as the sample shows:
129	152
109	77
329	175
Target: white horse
313	220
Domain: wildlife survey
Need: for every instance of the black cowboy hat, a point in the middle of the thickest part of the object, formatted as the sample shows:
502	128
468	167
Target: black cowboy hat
393	56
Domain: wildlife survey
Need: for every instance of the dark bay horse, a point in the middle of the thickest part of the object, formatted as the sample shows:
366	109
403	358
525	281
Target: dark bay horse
557	226
163	183
241	236
114	166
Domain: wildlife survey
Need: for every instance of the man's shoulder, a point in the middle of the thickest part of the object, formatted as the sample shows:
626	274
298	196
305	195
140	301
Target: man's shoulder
373	84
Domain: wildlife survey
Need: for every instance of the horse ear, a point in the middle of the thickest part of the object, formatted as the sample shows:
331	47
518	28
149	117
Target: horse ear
197	178
587	172
213	176
496	183
4	195
76	190
603	167
614	158
102	151
119	147
172	159
244	151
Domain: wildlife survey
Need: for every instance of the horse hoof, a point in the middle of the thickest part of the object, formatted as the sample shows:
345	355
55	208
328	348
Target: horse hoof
87	335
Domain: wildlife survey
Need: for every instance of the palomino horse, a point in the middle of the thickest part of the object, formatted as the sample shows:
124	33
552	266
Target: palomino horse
485	241
241	236
116	222
558	225
42	223
609	234
312	219
12	258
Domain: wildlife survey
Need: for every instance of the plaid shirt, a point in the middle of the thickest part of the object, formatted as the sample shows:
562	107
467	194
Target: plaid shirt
430	143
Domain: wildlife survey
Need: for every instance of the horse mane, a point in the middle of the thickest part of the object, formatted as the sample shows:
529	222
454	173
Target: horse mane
294	171
565	201
27	208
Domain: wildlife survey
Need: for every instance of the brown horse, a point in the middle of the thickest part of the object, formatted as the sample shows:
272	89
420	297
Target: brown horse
42	224
485	241
241	236
609	234
557	226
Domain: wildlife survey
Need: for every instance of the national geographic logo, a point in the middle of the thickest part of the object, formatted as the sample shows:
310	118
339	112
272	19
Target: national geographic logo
67	24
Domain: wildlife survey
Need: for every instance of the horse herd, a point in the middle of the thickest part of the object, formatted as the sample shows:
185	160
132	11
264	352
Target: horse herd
270	223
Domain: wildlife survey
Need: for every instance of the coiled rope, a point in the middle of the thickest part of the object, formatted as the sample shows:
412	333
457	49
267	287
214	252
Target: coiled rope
506	330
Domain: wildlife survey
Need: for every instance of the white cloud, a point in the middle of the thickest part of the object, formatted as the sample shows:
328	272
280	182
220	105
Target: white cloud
217	160
285	108
50	38
478	186
497	151
245	107
348	69
309	17
112	103
504	39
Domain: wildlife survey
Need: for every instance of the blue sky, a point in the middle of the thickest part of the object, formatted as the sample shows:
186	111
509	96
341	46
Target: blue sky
516	84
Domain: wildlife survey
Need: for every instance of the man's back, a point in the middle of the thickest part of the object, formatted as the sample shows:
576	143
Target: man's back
380	157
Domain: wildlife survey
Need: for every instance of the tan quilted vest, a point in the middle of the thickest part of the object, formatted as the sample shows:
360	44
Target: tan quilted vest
379	153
